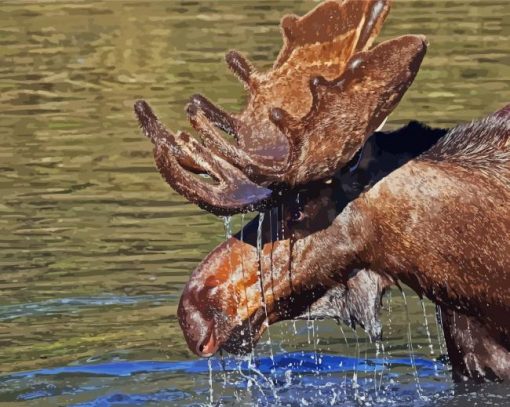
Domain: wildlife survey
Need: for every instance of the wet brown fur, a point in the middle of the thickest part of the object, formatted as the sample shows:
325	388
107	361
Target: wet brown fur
439	224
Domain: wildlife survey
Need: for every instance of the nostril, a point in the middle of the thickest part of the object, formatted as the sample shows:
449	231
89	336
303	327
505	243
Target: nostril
208	346
198	324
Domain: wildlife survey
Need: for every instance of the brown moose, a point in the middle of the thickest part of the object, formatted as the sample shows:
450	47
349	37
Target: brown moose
432	214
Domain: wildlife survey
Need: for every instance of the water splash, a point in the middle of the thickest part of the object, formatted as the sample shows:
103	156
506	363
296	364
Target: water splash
288	379
250	381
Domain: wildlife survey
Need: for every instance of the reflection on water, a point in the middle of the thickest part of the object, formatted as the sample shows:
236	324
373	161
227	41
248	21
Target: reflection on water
291	378
95	248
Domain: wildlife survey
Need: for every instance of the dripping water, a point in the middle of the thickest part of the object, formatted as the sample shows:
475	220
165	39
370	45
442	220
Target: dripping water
223	368
439	328
343	333
315	340
228	234
308	327
251	355
431	346
347	344
384	364
211	391
411	350
389	322
227	225
355	384
272	240
282	231
261	281
366	396
377	355
365	364
310	322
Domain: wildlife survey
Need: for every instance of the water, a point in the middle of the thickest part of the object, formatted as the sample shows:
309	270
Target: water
116	377
95	248
211	389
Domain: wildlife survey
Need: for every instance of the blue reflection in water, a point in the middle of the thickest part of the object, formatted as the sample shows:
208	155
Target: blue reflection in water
298	362
294	379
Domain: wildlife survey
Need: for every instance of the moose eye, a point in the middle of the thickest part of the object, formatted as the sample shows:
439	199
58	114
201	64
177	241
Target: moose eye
297	216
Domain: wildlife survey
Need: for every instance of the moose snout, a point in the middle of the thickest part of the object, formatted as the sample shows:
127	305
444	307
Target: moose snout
199	331
220	296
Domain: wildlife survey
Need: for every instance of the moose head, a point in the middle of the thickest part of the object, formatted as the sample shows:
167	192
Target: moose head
295	158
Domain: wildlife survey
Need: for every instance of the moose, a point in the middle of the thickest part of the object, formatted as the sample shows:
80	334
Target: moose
345	210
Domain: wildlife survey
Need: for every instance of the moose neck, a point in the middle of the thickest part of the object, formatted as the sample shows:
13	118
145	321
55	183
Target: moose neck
430	224
388	231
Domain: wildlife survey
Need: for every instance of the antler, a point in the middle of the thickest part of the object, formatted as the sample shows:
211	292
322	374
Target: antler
347	110
305	118
176	155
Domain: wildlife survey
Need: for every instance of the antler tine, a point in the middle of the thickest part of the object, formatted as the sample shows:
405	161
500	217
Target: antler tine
205	117
200	120
213	165
152	127
175	155
214	114
377	12
156	132
233	194
242	68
